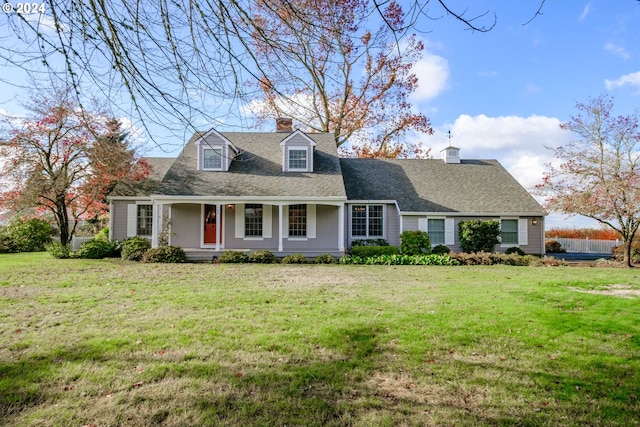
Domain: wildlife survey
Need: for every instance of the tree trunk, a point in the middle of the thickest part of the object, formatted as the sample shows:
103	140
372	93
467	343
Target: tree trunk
627	253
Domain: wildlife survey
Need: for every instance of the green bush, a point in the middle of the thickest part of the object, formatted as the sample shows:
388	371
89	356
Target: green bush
165	254
553	247
262	257
27	235
102	234
415	242
369	242
325	259
400	259
233	257
58	250
515	250
479	236
440	250
294	259
366	251
96	249
133	248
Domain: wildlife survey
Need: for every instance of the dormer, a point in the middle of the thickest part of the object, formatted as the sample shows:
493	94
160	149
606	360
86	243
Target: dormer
297	152
215	152
450	155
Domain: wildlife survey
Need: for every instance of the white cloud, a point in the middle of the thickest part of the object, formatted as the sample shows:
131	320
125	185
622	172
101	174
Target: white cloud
585	12
631	79
516	142
433	77
617	50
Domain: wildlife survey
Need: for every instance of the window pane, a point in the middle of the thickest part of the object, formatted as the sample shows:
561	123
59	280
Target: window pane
359	220
145	217
375	221
509	229
212	158
297	159
435	228
298	221
253	220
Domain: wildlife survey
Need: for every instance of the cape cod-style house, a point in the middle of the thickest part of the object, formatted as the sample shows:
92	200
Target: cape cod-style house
289	192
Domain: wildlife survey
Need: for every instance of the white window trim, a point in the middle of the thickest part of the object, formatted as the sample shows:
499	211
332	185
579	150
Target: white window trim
368	236
288	158
132	218
201	157
311	224
267	226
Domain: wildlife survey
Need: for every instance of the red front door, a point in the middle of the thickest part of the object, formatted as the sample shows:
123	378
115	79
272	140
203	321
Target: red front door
210	224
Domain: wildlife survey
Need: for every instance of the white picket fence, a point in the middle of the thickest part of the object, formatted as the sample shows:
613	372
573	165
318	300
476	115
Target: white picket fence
590	246
76	242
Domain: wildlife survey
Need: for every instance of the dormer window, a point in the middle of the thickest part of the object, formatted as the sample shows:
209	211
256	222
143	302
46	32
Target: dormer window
212	158
298	159
297	152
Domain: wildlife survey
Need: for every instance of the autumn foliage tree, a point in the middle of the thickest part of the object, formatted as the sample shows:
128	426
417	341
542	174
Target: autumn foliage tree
599	173
65	161
331	73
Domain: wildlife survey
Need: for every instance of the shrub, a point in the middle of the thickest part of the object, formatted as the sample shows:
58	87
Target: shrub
58	250
102	234
479	236
369	242
486	258
440	250
618	253
366	251
415	242
325	259
515	250
27	236
134	248
262	257
294	259
553	247
400	259
96	249
166	254
233	257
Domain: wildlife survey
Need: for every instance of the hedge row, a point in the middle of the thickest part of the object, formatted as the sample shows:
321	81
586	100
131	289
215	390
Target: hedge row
267	257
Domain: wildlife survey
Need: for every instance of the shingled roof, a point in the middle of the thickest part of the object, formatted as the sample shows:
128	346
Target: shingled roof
256	171
427	185
159	168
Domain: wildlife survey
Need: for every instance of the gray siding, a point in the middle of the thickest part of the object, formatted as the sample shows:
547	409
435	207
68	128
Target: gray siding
185	225
119	219
326	232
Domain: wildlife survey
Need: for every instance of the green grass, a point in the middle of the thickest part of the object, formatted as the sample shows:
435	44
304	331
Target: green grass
110	343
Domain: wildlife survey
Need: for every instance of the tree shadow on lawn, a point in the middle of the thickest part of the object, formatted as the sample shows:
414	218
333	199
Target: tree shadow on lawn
347	377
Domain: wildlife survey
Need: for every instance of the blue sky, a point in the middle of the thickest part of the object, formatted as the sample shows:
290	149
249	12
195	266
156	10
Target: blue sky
503	94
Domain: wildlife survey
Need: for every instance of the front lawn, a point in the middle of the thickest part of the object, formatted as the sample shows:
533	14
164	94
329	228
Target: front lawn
111	342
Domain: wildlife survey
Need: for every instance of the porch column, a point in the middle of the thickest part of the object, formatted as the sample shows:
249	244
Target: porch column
341	227
280	228
155	223
218	227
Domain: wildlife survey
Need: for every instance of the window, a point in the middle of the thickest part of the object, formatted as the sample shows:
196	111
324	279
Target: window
298	221
212	158
435	229
367	221
253	220
145	218
509	231
297	159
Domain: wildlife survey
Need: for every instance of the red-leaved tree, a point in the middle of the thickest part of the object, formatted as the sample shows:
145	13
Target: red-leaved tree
599	176
331	73
64	161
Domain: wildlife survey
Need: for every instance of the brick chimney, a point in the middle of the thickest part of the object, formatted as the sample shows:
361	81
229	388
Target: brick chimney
284	125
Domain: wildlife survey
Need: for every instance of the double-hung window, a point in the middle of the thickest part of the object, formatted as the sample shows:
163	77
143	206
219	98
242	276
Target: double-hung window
211	158
509	231
298	221
145	220
367	221
435	228
298	159
253	220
